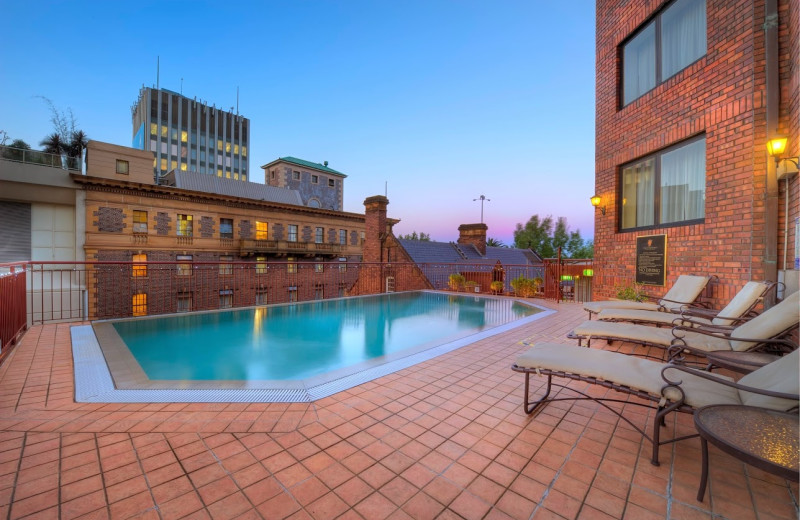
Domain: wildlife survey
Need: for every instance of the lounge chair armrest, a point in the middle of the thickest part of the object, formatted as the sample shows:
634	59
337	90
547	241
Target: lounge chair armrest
687	323
718	331
682	305
700	312
712	377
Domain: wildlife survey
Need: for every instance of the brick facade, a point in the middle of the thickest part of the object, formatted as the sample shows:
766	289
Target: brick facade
722	96
474	234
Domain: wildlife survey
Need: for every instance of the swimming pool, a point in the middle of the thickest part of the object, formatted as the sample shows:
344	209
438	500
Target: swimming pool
283	352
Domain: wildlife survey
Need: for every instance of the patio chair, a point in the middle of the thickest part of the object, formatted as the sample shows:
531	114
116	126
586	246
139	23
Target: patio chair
684	292
672	387
767	331
735	312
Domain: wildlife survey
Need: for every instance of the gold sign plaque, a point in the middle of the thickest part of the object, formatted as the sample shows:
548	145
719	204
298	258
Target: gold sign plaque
651	260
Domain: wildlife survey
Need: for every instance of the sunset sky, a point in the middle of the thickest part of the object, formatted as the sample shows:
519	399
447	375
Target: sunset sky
440	101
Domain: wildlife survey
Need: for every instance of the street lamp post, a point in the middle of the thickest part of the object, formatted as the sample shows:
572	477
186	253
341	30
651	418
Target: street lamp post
482	198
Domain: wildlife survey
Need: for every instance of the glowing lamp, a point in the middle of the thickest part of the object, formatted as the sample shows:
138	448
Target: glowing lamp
595	200
777	145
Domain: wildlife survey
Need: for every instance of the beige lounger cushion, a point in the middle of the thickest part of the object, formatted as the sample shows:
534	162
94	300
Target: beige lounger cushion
665	318
742	302
685	290
782	375
619	304
634	372
643	333
769	323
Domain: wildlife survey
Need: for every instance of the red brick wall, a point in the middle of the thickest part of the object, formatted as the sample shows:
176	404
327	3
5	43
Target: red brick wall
722	95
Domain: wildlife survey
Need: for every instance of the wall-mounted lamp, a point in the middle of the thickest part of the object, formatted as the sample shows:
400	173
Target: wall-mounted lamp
784	165
596	203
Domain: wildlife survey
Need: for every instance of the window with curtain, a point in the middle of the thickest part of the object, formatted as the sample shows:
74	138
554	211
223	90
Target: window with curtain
673	40
668	187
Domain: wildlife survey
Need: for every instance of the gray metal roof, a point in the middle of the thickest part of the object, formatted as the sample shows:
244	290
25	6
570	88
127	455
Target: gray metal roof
445	252
244	189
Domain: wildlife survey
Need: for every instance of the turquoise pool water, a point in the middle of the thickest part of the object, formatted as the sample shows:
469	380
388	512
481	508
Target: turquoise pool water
291	342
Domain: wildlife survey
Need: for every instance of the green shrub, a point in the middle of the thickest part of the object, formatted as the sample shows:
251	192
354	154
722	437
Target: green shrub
456	281
633	292
525	287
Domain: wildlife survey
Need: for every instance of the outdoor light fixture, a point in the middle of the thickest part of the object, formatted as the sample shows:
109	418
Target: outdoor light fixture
785	165
596	203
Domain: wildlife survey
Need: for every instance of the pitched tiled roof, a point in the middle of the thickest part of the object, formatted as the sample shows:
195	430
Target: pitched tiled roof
308	164
247	190
422	252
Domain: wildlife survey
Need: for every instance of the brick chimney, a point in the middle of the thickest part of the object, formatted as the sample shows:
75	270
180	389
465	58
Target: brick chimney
375	222
474	234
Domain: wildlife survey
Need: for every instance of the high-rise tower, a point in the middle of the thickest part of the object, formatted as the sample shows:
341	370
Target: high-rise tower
189	135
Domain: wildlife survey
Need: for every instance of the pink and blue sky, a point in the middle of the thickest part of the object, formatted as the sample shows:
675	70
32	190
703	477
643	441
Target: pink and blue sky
442	100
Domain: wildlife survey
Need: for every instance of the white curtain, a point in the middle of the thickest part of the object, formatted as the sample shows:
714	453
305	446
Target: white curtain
638	195
683	35
683	183
639	64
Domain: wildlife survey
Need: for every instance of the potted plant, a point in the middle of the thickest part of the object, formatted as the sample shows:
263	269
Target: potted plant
496	287
472	286
456	281
633	292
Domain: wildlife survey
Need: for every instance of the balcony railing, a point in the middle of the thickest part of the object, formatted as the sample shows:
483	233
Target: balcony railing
40	158
41	292
249	247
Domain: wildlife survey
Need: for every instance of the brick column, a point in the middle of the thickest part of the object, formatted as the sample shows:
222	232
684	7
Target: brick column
474	234
375	222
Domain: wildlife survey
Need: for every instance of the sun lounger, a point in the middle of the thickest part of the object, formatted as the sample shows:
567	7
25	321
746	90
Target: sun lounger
735	312
766	331
671	387
685	291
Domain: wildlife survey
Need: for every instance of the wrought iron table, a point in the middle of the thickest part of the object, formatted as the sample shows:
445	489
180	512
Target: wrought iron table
765	439
741	362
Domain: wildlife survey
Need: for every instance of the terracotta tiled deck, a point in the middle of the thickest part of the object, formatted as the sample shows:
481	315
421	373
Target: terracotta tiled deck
443	439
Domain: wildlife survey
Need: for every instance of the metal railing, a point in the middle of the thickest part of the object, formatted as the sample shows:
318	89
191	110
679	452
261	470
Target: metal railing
37	157
43	292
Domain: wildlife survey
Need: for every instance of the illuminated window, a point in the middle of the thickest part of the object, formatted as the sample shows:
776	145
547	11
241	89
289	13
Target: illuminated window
219	173
244	177
184	136
139	221
291	266
227	174
314	179
292	233
236	149
164	131
319	266
184	225
225	265
139	269
219	144
261	230
319	236
227	147
261	264
184	302
174	165
343	237
155	162
185	265
183	166
163	165
225	299
153	129
235	176
244	151
139	304
226	228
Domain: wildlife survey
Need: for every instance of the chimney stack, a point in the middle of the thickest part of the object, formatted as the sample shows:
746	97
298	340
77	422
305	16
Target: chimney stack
375	222
474	234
